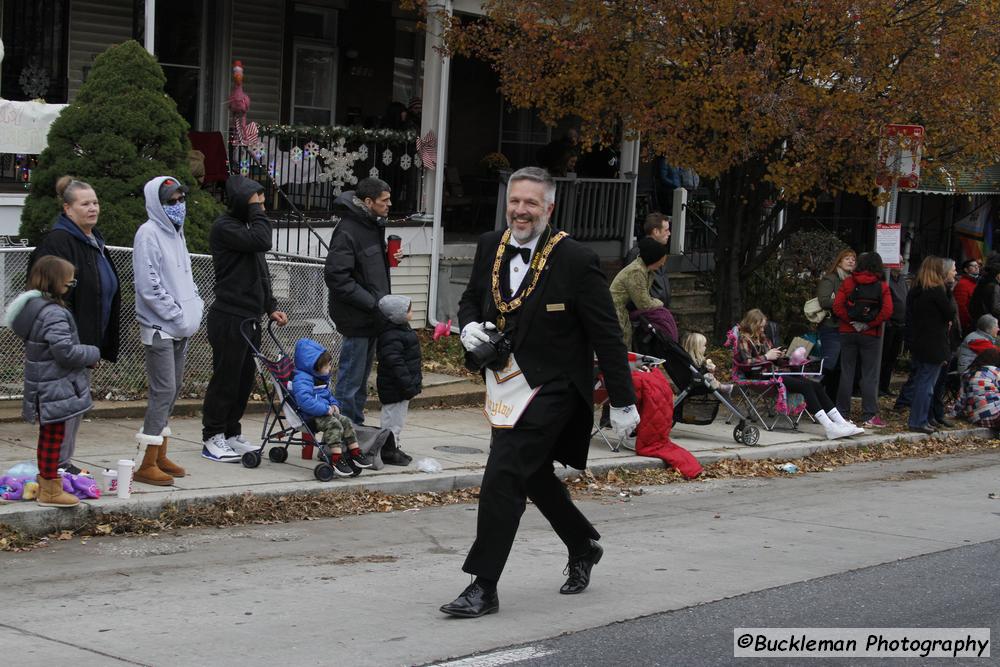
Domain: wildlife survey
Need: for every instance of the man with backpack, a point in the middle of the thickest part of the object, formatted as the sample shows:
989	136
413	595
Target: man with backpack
862	305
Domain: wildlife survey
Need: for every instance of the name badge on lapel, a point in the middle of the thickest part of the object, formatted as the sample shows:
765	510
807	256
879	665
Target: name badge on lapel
555	307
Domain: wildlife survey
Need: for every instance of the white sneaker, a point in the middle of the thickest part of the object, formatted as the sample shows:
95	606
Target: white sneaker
216	449
835	431
241	445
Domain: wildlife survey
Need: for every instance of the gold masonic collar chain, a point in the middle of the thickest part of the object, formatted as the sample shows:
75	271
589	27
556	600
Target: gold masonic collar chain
538	262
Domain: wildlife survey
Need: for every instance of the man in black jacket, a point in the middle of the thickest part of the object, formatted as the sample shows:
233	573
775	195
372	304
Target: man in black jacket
357	275
547	295
237	241
656	227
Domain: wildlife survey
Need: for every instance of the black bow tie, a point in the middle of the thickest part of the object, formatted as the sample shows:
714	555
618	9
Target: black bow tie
511	250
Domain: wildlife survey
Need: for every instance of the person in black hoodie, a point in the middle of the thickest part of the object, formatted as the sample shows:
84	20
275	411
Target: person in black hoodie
238	241
357	275
96	300
399	376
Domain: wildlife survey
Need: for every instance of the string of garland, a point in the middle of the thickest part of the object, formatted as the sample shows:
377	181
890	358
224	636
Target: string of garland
351	134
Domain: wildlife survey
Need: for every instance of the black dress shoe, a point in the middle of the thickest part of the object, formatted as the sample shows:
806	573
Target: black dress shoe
579	568
475	601
942	423
926	428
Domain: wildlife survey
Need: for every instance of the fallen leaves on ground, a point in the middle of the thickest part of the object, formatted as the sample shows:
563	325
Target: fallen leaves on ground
620	485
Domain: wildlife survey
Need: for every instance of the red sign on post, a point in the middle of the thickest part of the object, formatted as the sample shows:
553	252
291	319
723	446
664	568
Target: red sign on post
887	238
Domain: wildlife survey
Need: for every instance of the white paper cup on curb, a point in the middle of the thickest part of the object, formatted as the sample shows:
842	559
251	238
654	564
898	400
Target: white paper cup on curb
109	482
125	467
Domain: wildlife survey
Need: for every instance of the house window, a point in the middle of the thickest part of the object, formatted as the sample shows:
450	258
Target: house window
35	39
522	134
178	46
314	65
408	62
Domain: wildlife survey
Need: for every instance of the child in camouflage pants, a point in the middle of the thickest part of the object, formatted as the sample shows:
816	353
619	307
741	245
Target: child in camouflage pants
311	390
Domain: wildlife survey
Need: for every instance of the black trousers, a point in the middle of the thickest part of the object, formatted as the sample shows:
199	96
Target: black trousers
520	466
233	373
816	397
891	347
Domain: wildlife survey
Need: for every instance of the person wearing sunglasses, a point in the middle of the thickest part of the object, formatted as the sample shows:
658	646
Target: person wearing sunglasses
169	309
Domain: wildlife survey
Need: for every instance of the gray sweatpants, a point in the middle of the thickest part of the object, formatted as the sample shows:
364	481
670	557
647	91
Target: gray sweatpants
165	370
68	447
393	417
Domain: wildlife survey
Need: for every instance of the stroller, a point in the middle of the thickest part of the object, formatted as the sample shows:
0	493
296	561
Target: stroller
696	403
284	425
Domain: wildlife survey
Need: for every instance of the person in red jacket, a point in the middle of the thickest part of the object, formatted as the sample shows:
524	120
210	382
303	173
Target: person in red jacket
862	305
963	291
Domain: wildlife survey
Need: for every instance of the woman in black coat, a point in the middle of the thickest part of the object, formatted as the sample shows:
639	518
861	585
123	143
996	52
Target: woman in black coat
931	313
96	300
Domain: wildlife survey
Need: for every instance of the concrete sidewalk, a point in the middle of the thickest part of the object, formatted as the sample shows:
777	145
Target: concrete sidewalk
457	438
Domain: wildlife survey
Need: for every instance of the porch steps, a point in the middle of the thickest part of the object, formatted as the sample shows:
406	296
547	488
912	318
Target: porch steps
691	305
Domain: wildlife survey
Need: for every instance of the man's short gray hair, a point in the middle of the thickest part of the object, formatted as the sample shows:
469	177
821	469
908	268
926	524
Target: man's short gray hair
537	175
986	323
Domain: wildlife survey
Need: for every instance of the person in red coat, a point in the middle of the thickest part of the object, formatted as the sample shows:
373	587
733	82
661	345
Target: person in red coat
862	305
964	288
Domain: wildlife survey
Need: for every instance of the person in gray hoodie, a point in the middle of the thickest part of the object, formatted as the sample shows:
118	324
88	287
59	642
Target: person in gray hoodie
169	310
56	367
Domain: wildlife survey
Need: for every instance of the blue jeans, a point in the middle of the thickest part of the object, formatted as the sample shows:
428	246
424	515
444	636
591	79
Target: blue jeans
924	376
353	369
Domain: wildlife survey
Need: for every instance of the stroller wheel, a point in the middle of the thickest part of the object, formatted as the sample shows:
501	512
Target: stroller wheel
738	434
751	435
278	454
323	472
251	459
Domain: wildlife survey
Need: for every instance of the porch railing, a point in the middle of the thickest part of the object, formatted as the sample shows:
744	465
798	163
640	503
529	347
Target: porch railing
589	209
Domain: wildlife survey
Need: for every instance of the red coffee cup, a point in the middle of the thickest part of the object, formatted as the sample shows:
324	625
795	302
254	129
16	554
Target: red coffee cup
392	246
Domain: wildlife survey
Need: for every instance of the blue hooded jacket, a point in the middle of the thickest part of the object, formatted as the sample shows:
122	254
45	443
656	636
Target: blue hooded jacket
311	391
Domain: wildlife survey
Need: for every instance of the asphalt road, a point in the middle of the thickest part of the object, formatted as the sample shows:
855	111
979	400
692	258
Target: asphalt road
907	543
957	588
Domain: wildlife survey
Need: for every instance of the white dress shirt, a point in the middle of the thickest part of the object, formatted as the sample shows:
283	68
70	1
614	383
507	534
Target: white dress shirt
518	267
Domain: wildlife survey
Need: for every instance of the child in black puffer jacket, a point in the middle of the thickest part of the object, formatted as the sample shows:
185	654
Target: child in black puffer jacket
399	378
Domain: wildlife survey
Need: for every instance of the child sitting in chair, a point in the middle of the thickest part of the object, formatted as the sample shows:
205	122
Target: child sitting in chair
311	390
695	344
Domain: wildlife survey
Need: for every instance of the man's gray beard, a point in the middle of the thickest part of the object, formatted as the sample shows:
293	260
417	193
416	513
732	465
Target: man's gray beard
536	230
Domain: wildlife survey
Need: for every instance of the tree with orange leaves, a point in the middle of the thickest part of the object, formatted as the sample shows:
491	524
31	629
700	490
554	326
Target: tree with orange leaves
778	100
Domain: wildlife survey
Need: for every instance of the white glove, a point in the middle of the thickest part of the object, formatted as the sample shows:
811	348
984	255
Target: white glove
624	420
474	334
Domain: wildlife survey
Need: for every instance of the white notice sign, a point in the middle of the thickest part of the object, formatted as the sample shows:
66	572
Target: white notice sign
887	244
24	126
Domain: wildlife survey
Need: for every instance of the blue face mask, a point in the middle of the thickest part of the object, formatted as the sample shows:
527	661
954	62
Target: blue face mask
176	212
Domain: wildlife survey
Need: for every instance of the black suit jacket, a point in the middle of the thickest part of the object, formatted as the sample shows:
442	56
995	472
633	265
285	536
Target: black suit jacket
561	325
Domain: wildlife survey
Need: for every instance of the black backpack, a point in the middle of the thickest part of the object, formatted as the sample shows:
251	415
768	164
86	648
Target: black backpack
864	302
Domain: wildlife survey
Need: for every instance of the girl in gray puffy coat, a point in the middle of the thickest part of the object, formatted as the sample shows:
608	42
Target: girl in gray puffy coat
56	375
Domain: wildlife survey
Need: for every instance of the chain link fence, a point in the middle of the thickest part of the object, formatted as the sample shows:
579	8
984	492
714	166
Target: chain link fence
298	286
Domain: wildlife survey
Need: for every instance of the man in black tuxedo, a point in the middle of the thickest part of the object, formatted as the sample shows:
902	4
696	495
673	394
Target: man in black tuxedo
547	294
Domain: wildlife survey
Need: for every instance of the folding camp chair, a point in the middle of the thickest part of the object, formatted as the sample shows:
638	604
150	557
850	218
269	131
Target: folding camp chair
636	361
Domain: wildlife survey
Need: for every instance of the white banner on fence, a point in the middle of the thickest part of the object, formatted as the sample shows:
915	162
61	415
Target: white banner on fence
24	126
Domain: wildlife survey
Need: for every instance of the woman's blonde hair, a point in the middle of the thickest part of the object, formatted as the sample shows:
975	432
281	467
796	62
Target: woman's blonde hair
67	187
752	324
932	273
695	344
49	276
846	252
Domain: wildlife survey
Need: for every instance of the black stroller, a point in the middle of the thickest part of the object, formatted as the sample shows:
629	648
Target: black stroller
284	425
696	401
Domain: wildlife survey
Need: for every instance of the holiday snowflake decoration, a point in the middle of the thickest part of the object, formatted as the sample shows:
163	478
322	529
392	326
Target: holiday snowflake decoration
259	150
311	148
417	162
338	166
295	154
363	152
404	162
373	172
34	81
387	157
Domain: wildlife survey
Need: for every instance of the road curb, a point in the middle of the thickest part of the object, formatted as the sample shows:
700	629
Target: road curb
33	520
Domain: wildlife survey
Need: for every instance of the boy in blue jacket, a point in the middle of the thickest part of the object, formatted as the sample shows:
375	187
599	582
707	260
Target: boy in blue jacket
311	390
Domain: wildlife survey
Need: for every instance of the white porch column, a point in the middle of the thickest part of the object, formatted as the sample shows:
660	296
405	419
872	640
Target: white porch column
629	164
150	30
435	117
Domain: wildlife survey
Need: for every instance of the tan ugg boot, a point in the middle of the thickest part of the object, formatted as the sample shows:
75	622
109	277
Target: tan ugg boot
165	464
51	494
148	472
